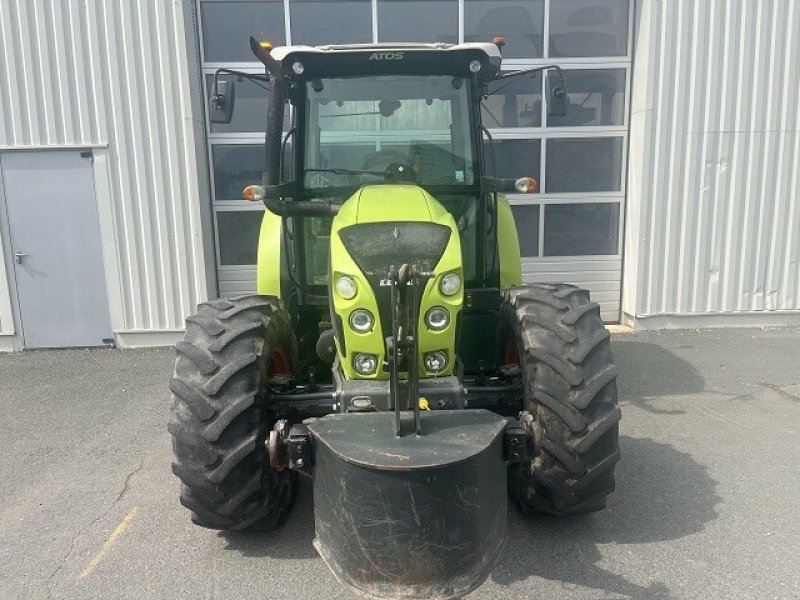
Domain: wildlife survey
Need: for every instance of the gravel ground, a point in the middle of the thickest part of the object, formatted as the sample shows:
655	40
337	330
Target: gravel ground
707	502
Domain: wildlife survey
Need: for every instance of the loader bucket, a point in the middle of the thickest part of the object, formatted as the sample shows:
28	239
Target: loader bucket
411	516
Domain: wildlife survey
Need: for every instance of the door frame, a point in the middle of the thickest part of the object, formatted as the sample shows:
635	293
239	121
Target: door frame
11	334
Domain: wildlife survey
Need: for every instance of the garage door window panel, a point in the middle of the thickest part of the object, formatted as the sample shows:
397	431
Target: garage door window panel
590	229
251	106
514	103
580	28
515	158
227	27
596	98
526	218
418	21
320	22
238	236
576	165
235	167
519	22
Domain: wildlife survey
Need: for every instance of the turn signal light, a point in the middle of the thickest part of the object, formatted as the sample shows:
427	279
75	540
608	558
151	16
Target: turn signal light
526	185
254	193
265	44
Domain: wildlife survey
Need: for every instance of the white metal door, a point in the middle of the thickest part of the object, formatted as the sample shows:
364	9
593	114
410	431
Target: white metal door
55	244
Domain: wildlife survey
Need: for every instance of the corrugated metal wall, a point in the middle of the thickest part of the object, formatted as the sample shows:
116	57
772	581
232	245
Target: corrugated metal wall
119	77
713	221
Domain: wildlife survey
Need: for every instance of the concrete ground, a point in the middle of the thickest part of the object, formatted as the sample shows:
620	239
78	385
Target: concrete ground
707	502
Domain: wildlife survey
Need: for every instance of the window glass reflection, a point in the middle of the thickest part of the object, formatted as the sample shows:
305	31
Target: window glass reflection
515	158
235	167
227	27
418	21
320	22
581	229
588	28
514	103
519	22
238	236
584	165
527	221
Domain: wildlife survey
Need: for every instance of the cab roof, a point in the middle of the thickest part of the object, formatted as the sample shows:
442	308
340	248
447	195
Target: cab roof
350	59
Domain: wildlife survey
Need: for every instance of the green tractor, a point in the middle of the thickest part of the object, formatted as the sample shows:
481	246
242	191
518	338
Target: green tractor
393	353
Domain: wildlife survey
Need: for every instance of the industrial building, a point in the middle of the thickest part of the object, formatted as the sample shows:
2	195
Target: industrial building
669	190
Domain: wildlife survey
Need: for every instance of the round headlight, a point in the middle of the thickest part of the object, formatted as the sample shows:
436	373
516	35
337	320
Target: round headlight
361	320
450	285
298	68
437	318
475	66
436	361
365	364
346	287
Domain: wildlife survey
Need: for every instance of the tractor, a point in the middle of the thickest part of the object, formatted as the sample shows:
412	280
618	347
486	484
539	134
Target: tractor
392	352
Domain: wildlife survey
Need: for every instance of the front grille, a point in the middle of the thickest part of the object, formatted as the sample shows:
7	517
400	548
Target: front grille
377	246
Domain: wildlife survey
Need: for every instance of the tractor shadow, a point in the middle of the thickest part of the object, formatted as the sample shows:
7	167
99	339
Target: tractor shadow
650	372
290	541
662	494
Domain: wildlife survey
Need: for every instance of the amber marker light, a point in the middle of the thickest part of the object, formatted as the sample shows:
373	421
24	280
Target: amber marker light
254	193
526	185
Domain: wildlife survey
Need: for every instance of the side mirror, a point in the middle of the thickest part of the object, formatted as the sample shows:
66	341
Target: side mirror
222	98
556	94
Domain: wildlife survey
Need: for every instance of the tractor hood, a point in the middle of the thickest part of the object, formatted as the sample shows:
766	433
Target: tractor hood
387	225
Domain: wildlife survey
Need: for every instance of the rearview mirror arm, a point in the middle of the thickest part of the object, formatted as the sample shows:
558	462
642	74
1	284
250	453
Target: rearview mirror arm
530	71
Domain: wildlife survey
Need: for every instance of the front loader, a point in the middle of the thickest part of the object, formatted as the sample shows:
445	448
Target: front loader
392	353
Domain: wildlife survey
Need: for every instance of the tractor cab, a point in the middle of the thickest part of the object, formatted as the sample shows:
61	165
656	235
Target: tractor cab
398	116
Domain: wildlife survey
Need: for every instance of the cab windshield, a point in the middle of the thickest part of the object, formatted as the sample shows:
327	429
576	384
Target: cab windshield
356	127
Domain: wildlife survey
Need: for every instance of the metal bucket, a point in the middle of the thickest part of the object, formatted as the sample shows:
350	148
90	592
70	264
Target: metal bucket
414	516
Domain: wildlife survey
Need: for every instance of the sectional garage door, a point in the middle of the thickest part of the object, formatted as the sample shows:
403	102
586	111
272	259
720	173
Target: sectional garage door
571	230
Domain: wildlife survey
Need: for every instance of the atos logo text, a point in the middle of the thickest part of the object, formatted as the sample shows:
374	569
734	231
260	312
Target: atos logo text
387	56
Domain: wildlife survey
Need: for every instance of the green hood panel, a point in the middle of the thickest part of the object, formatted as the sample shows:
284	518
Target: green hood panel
407	225
385	202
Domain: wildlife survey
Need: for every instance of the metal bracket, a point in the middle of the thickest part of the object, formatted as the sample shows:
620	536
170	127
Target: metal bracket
516	443
290	446
300	448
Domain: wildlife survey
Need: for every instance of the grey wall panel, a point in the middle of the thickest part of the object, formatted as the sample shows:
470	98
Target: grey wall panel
601	276
713	221
102	73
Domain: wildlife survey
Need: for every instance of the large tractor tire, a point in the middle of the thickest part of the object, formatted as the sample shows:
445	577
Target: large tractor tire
556	336
222	415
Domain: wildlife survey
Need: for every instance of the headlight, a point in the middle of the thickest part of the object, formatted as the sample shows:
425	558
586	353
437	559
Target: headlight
436	361
365	364
361	320
346	287
437	318
450	284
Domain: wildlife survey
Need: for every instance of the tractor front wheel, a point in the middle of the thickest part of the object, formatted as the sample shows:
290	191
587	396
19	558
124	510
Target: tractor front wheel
222	414
556	335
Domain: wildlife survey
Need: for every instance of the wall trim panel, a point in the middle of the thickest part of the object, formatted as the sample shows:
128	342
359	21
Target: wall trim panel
712	225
